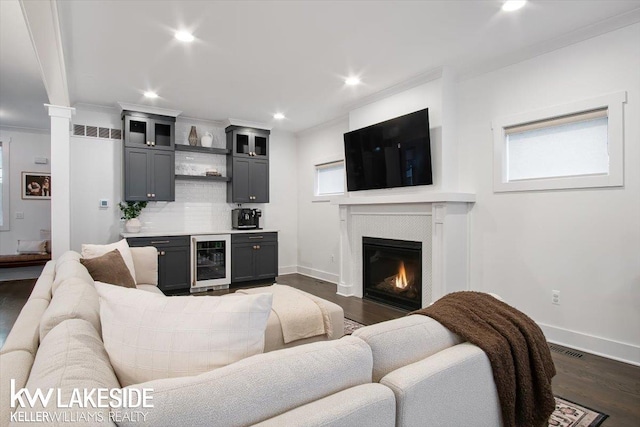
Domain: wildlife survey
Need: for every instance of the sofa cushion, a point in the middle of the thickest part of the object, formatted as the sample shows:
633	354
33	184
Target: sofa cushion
145	262
25	334
109	268
32	247
16	366
42	288
453	387
68	265
262	386
150	288
74	299
93	251
402	341
150	336
362	406
70	357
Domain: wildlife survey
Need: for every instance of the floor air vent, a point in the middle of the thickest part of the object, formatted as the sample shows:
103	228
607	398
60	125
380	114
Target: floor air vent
96	132
566	351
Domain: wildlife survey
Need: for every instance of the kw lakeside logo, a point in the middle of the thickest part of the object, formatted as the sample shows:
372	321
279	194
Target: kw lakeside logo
128	399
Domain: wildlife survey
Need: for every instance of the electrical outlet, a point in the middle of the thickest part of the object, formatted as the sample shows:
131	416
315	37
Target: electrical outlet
555	297
19	215
332	258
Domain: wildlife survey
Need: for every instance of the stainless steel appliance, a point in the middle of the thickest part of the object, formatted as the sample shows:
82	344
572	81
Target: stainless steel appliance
210	262
245	218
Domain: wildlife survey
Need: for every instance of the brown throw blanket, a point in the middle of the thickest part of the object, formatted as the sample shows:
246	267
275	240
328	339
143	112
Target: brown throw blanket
516	347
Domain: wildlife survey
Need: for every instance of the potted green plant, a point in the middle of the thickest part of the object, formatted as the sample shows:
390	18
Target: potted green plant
130	212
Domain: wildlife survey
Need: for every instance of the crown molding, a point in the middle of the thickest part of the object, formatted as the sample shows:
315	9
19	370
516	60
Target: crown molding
471	70
247	123
402	86
324	125
149	109
215	123
25	129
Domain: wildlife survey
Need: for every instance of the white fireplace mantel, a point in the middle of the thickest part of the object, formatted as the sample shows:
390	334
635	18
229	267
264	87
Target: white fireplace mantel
405	199
439	220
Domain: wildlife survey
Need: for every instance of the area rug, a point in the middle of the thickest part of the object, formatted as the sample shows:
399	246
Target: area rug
566	414
351	325
570	414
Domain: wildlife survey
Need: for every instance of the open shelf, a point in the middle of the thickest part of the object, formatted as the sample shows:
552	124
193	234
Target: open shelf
198	149
204	178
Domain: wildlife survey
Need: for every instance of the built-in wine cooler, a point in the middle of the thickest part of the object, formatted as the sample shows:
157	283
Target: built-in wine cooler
210	262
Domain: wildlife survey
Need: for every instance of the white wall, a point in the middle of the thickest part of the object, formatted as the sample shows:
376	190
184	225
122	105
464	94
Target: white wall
584	243
318	222
25	147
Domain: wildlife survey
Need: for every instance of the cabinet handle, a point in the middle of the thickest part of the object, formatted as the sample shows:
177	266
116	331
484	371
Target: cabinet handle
256	237
148	194
153	144
161	253
153	195
148	142
160	242
254	246
257	246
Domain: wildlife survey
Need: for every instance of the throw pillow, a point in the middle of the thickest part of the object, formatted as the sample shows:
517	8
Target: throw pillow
93	251
150	336
32	247
109	268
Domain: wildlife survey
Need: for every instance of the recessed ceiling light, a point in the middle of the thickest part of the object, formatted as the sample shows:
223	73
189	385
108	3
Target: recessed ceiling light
511	5
150	94
352	81
278	116
184	36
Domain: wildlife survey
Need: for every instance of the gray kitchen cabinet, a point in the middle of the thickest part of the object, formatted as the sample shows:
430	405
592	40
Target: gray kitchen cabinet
248	165
249	181
148	130
149	157
254	256
174	260
149	175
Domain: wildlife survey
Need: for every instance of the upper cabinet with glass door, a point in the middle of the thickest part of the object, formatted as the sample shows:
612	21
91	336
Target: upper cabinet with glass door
248	142
148	130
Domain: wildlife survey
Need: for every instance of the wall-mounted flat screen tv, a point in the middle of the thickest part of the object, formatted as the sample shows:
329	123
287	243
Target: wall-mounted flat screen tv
394	153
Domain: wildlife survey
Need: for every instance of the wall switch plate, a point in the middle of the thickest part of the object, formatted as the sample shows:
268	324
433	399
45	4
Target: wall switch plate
41	160
555	297
104	203
19	215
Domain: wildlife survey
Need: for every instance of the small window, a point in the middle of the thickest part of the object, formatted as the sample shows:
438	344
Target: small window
329	179
570	146
4	185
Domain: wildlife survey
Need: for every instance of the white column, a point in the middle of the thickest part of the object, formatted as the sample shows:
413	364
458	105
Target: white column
60	179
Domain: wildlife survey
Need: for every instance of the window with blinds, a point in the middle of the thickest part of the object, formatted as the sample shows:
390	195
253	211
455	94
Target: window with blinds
571	146
329	179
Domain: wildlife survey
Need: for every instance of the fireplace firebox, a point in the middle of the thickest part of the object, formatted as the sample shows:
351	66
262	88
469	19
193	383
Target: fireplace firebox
392	272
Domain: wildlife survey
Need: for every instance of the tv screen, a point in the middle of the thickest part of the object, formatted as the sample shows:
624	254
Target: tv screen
394	153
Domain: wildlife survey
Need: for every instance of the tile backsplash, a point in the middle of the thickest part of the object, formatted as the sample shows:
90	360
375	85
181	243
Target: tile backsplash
199	205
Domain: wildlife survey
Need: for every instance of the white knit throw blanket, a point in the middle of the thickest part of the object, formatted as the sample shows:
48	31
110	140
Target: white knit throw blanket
301	315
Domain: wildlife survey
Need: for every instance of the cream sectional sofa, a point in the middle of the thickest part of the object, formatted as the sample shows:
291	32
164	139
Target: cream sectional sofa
406	372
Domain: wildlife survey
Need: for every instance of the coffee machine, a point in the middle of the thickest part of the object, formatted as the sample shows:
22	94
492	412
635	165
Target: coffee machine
243	219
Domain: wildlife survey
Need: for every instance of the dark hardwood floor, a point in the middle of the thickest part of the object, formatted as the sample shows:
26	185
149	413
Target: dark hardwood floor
602	384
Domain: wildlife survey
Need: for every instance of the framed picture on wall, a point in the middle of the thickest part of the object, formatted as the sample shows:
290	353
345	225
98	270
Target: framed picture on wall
36	185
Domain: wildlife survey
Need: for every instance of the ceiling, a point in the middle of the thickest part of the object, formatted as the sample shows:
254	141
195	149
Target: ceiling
253	59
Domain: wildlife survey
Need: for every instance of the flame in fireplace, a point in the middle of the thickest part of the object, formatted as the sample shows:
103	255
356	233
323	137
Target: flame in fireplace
401	279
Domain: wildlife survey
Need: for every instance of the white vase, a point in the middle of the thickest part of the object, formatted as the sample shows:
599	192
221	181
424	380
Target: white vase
133	225
207	140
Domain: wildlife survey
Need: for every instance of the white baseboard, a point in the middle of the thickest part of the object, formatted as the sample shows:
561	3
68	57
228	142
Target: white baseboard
345	290
616	350
289	269
318	274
